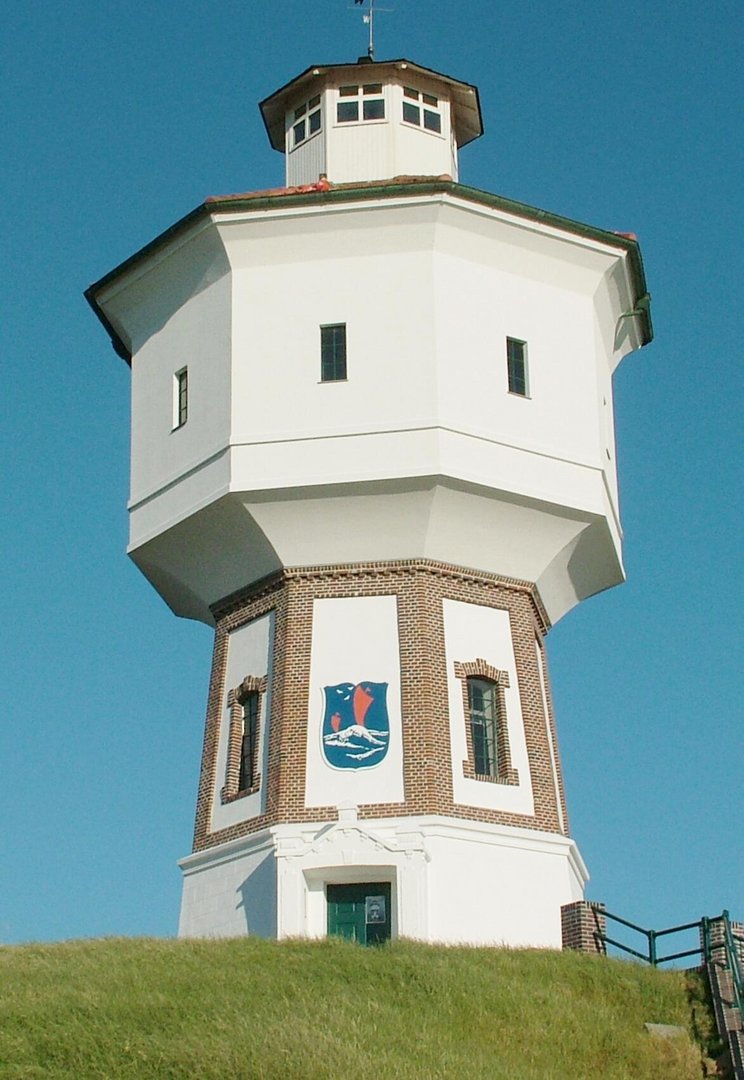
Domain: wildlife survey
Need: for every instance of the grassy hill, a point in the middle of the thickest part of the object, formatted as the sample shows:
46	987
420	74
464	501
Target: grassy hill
251	1010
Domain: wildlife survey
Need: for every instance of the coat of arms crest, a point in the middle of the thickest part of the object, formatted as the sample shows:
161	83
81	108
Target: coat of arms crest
356	727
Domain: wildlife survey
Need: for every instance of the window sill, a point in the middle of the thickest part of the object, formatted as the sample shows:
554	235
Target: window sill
510	779
235	795
299	145
426	131
359	123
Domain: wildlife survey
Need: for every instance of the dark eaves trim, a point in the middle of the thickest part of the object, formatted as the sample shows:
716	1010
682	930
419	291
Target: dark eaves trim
396	188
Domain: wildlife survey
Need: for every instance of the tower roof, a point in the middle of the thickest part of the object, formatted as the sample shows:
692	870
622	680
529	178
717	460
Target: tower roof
467	120
327	195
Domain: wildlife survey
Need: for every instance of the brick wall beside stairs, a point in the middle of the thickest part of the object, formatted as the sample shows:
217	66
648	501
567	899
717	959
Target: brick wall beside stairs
583	925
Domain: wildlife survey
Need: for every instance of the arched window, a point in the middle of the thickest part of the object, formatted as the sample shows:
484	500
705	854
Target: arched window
486	727
483	706
249	741
243	774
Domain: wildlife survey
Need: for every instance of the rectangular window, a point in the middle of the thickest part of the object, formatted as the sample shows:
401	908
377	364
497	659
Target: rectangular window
374	110
333	353
307	120
372	103
421	116
516	363
180	398
347	111
411	114
482	698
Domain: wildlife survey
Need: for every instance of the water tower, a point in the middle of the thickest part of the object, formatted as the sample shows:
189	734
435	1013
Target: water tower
372	445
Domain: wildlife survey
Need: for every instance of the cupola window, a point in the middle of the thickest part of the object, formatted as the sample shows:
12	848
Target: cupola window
307	120
421	109
359	103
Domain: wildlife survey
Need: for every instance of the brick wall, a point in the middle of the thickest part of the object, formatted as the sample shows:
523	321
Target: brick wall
420	587
718	951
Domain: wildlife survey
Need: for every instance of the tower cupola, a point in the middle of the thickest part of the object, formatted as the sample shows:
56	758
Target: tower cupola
371	121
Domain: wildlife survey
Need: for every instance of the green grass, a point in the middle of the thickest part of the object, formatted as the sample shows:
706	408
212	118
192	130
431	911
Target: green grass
251	1010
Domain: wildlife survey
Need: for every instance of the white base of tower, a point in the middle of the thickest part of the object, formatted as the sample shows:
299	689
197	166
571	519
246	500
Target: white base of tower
451	881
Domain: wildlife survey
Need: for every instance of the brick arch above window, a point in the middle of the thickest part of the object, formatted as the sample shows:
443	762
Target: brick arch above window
241	758
481	669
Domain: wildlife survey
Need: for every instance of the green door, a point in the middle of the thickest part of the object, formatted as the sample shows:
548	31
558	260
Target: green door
360	912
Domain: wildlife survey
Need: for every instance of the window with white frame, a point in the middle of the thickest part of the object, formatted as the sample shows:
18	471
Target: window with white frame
422	110
308	120
516	366
359	103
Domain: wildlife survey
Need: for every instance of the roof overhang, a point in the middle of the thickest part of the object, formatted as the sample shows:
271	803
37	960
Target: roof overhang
397	188
466	117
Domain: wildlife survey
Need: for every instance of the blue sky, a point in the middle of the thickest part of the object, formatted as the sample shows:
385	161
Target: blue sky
117	120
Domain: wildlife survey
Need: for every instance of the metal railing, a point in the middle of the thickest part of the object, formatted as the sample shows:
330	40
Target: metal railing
651	955
732	945
718	943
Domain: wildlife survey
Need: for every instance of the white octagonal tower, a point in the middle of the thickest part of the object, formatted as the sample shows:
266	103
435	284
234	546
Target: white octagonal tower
372	444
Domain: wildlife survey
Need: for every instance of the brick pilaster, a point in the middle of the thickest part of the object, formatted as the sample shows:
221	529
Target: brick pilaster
718	952
583	925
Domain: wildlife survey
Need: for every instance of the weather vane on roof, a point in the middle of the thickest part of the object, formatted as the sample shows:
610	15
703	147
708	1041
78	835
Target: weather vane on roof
369	19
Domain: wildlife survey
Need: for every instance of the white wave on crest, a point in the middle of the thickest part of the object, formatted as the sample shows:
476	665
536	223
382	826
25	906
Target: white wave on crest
354	731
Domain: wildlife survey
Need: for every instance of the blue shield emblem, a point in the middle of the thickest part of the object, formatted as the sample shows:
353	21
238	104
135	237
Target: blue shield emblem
356	728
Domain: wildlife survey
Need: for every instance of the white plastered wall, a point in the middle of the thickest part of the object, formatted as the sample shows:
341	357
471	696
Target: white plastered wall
179	315
230	891
500	886
451	881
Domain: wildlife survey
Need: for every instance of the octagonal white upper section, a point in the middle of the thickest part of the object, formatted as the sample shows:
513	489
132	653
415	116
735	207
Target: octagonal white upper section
421	450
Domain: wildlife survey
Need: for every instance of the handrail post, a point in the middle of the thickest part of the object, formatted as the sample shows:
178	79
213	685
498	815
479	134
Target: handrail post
733	961
652	947
705	935
726	940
